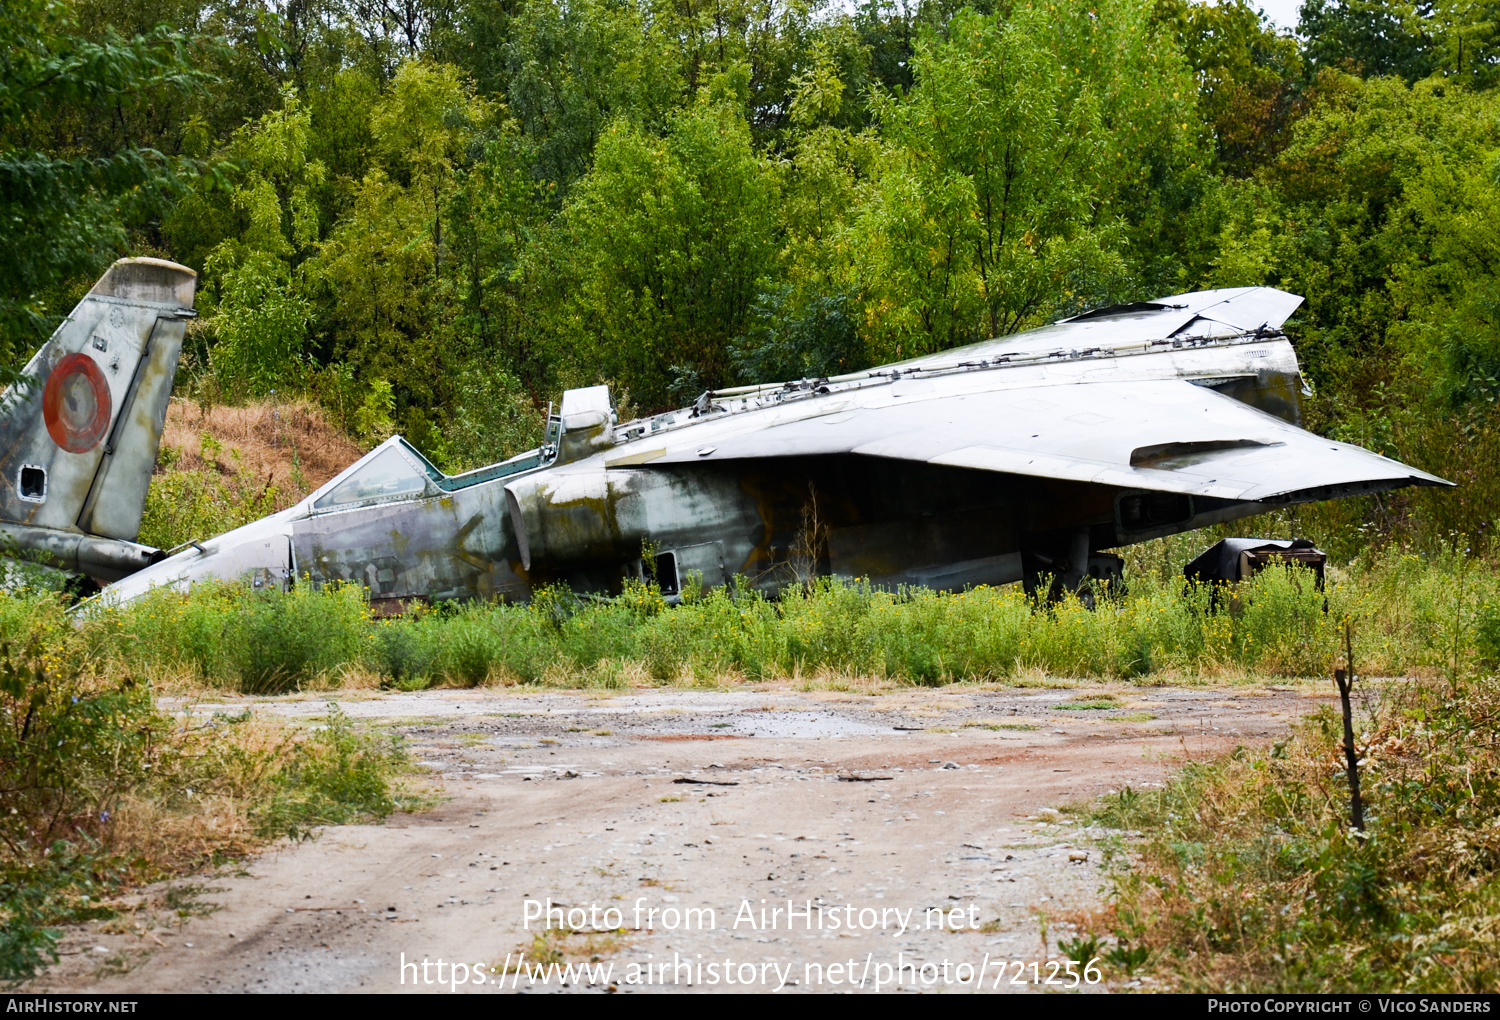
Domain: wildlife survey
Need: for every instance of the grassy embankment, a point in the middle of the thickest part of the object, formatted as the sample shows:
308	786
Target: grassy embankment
221	466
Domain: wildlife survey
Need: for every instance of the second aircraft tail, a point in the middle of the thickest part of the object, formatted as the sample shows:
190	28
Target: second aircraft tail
79	434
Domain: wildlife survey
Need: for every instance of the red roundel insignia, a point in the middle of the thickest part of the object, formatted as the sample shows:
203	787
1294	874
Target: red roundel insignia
76	404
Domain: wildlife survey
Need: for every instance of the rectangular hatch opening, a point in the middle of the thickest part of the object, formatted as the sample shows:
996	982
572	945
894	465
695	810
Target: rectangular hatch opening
33	483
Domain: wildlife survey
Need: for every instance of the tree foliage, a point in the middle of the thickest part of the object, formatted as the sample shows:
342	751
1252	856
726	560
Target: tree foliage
70	187
1009	169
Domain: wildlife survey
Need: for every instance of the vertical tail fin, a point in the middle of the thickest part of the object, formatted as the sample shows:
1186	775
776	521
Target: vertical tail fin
79	434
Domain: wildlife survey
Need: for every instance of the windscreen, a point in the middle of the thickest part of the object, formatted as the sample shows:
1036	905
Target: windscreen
387	475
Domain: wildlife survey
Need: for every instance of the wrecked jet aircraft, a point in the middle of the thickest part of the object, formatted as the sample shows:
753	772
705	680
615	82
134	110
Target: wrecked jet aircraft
1009	460
79	432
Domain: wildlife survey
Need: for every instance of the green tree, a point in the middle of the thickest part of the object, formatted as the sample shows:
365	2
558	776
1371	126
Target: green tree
69	196
1352	240
1468	41
811	324
1248	76
386	278
1458	39
1369	37
673	236
815	337
255	224
509	287
1380	218
1450	283
569	70
1011	171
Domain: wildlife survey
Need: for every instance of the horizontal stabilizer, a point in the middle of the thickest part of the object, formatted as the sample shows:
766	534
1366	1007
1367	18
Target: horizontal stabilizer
1202	313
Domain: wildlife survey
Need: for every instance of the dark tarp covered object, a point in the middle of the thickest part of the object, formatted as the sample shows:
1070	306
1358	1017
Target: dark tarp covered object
1235	559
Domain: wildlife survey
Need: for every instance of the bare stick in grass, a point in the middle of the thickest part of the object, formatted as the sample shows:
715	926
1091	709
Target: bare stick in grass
1346	683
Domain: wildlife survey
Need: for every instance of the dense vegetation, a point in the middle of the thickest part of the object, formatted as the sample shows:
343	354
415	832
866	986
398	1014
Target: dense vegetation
100	789
1245	875
431	217
1422	618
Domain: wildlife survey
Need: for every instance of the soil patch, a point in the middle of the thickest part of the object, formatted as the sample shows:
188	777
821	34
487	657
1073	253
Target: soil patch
570	802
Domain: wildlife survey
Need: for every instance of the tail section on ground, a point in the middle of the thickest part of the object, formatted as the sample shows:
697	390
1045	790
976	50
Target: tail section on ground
79	434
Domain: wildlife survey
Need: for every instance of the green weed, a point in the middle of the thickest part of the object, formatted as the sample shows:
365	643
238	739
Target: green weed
186	505
1082	949
1432	617
257	641
337	775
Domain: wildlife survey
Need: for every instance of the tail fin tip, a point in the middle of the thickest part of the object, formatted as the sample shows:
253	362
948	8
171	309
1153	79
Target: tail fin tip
148	279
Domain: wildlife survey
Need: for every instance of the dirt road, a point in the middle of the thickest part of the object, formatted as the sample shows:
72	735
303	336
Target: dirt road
912	836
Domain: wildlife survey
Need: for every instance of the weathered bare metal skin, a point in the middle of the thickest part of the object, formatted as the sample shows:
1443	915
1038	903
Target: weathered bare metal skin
1014	459
79	435
445	546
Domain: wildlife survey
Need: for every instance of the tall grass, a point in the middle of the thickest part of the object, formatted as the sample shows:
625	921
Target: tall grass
1430	617
232	635
1245	876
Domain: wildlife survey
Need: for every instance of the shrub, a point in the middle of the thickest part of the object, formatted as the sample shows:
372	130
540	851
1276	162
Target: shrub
471	645
184	505
72	744
276	641
401	651
336	775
